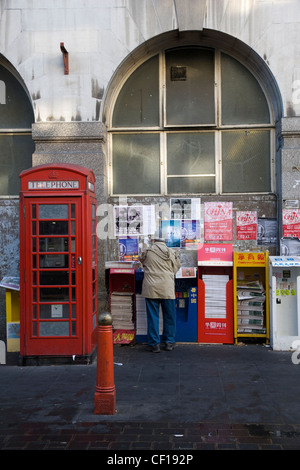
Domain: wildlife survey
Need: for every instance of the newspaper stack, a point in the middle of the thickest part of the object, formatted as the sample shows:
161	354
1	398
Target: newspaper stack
121	309
250	307
141	316
215	295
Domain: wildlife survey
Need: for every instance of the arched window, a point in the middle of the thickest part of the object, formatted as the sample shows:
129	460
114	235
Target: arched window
191	120
16	145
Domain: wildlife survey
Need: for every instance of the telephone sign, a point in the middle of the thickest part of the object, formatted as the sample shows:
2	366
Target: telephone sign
53	184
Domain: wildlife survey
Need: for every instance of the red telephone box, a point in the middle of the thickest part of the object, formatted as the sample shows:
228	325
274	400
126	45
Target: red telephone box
58	262
215	293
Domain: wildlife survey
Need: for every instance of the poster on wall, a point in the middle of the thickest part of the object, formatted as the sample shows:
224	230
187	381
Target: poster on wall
186	272
190	234
246	225
128	220
128	248
134	220
291	223
218	221
290	246
185	208
266	231
170	231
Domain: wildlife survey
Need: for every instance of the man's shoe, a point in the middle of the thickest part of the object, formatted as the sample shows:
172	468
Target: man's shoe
169	346
155	348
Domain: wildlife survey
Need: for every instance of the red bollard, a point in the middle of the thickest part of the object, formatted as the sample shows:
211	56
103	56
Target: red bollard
105	395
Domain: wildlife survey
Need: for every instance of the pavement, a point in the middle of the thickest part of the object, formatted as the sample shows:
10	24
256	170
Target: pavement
196	397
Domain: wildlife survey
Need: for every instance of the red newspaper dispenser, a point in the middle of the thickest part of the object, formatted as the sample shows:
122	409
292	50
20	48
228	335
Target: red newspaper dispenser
58	262
215	293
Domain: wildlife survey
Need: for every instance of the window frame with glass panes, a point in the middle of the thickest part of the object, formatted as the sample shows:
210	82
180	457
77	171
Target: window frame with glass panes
190	120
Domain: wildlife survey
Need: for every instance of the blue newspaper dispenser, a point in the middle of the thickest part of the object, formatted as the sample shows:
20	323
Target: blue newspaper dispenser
186	310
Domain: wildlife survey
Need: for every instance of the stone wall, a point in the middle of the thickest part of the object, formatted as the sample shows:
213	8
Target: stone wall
100	34
9	250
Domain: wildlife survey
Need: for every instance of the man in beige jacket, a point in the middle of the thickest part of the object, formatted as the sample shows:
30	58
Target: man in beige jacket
160	263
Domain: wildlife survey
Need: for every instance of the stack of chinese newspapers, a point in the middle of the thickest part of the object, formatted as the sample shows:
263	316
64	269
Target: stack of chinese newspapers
215	295
250	307
121	304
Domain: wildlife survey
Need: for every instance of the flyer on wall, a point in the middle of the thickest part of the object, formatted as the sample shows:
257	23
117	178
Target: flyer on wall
246	225
134	220
218	221
190	234
128	248
291	223
170	231
185	208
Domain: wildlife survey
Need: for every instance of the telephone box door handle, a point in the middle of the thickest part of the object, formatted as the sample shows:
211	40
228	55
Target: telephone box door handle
79	260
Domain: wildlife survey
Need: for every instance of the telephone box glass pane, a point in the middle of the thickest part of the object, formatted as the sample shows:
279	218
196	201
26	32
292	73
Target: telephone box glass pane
54	328
54	261
53	244
53	278
53	211
53	227
52	311
73	310
54	294
34	311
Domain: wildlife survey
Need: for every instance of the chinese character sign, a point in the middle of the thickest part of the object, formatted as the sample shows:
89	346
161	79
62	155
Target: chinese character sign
251	259
218	253
218	221
246	225
291	222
